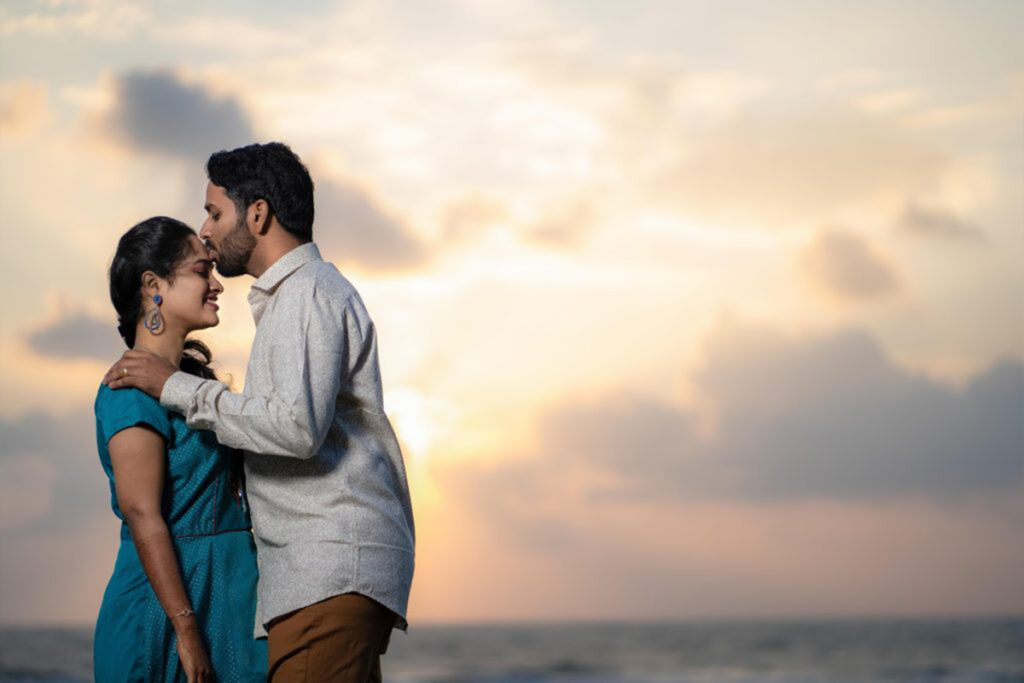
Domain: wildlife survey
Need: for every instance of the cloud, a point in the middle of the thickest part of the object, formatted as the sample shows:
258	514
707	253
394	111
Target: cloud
891	100
470	216
565	227
24	108
157	111
53	458
819	418
951	115
102	19
831	416
918	220
26	489
352	228
777	170
77	335
812	477
845	265
561	224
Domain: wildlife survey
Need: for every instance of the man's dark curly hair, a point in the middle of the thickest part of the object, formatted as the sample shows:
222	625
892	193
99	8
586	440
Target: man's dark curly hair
272	172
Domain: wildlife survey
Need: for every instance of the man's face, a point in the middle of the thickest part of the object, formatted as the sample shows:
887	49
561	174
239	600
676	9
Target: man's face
226	233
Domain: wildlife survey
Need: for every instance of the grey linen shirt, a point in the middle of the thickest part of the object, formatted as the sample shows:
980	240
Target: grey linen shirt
326	482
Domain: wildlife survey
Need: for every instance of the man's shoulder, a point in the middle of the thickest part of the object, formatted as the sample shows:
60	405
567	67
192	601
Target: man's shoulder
321	278
325	277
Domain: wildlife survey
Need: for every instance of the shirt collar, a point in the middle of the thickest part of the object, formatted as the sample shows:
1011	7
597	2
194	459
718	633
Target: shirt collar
286	265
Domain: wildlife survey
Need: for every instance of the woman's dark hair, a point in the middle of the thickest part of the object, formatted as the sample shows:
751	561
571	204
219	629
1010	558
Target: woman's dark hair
158	244
271	172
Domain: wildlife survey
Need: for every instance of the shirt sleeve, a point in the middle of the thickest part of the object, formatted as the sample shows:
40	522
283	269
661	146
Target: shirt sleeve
119	409
308	361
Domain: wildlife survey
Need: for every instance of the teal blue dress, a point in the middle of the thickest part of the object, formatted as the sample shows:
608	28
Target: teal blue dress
210	532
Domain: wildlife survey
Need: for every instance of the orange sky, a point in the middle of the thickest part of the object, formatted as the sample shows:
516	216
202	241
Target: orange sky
685	310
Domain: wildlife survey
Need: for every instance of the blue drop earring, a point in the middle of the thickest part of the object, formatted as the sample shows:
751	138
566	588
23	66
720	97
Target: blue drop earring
153	321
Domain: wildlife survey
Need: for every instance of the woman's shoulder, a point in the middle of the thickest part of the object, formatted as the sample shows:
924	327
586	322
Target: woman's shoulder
114	399
118	409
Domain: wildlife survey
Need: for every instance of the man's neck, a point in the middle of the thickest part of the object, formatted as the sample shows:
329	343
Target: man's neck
270	249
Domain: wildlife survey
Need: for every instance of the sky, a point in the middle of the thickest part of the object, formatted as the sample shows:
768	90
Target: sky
685	310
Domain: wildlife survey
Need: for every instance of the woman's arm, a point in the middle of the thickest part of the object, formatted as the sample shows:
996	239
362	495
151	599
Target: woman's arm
138	457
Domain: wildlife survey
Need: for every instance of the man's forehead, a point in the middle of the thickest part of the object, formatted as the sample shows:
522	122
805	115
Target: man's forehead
215	192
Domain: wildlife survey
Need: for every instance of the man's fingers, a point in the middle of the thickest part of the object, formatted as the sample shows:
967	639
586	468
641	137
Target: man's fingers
115	369
138	355
116	372
111	373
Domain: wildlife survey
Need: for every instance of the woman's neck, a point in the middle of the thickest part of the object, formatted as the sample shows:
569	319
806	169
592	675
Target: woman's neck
168	344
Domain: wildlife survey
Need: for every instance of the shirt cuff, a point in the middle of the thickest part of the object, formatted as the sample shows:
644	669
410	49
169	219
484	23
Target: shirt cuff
179	390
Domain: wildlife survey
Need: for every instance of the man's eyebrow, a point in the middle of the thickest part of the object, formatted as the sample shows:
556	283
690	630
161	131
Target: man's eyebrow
209	207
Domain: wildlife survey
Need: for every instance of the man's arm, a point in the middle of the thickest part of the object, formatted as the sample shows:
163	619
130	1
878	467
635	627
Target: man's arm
307	367
308	364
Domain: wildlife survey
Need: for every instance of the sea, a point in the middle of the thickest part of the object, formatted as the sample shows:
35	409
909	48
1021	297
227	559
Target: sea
833	651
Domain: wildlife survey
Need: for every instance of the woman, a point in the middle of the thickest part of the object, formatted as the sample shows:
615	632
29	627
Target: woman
181	602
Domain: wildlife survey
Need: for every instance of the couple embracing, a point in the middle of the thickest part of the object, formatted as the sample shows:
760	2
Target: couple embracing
303	459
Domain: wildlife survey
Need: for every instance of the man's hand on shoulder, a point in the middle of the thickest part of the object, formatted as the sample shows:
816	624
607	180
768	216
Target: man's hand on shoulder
142	370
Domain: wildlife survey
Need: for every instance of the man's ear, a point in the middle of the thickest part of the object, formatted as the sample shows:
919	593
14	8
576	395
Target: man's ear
258	217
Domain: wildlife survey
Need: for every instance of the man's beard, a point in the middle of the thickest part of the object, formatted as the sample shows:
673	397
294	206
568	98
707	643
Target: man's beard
235	249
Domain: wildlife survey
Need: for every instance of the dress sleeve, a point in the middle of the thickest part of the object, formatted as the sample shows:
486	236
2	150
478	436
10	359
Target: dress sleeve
118	409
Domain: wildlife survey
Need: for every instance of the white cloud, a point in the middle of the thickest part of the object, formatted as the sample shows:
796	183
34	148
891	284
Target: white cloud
98	19
24	108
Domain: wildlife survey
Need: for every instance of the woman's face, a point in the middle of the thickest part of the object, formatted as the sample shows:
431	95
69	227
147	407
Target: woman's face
189	300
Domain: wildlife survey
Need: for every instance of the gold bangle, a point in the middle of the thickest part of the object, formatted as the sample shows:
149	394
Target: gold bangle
187	612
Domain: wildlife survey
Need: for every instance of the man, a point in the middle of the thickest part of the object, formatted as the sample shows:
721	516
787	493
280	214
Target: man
325	477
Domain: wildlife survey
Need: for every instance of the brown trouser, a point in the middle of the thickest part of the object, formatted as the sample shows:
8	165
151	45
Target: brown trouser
337	639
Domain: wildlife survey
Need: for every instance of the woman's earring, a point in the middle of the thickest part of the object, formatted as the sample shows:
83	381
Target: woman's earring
153	321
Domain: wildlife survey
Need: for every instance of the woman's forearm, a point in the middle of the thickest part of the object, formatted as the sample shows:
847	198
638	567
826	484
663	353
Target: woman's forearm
159	561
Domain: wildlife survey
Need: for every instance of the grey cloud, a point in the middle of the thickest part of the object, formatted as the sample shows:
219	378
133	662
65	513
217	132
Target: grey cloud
833	417
935	223
68	441
351	228
844	264
158	112
77	335
821	418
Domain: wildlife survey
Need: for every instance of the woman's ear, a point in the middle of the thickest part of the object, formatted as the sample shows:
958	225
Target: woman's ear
150	283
